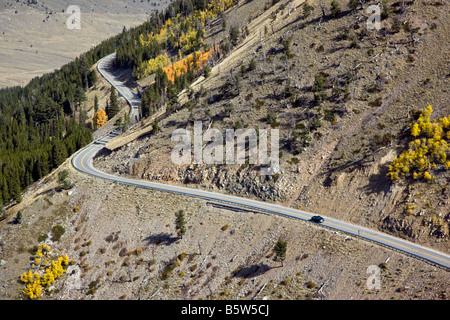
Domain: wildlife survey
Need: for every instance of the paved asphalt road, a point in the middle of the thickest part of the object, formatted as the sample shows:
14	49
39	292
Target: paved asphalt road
82	161
132	98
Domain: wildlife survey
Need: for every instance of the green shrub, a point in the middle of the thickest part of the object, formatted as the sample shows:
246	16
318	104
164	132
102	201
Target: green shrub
169	268
335	9
383	266
376	103
192	257
206	71
42	237
182	255
320	49
252	65
258	104
123	252
307	9
63	182
193	268
57	232
319	82
354	45
353	4
62	175
271	118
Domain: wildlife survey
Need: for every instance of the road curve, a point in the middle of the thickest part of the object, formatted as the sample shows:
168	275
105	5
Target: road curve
132	98
82	161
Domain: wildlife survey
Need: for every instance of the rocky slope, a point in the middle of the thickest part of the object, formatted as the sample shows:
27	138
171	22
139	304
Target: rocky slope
374	82
122	241
122	244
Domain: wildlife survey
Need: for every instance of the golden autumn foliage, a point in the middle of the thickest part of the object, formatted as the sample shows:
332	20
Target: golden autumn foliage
43	250
101	118
33	290
181	66
43	277
428	150
186	41
150	66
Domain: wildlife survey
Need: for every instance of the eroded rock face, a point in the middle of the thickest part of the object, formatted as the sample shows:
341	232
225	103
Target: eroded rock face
414	231
395	225
245	180
234	180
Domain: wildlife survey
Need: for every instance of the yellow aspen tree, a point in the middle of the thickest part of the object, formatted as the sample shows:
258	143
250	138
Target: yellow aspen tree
415	130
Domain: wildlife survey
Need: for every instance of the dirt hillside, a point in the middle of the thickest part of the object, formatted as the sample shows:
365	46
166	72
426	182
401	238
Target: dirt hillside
122	241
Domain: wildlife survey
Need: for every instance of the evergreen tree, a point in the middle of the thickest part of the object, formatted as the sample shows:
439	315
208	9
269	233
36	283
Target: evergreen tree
335	9
92	78
14	186
234	35
18	219
353	4
44	122
252	65
206	71
280	251
95	121
107	108
180	223
4	191
144	107
113	108
59	153
155	126
95	103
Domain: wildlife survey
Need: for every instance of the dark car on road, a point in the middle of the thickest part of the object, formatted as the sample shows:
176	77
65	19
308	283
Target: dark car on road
317	219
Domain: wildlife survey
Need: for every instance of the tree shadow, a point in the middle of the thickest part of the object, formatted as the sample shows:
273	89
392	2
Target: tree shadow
217	97
252	271
379	182
161	238
50	192
217	32
335	49
124	75
104	152
349	166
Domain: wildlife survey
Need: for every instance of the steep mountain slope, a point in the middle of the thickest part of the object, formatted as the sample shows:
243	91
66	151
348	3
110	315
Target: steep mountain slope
343	98
122	244
122	241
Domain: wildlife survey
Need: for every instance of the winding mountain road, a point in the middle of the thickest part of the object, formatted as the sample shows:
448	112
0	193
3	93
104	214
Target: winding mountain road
132	98
82	161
